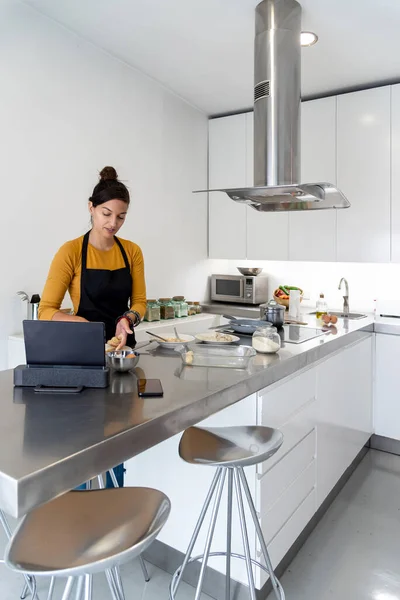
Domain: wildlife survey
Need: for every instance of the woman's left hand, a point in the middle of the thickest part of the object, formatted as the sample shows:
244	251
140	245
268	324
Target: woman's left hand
122	332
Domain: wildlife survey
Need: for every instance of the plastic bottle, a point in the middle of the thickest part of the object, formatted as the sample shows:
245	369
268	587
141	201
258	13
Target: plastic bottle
321	307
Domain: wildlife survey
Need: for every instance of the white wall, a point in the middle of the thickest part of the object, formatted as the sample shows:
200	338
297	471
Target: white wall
66	110
367	282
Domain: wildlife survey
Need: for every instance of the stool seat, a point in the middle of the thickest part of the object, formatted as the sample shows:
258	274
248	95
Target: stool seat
238	446
87	532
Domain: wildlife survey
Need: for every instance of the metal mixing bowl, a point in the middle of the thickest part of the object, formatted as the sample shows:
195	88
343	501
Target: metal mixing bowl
251	271
120	362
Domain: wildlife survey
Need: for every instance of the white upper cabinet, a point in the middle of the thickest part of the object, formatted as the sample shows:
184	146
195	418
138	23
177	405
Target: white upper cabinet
395	89
267	233
227	168
312	234
363	175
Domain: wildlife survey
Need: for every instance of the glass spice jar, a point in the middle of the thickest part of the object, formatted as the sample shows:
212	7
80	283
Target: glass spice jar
192	309
266	340
181	307
198	308
152	311
167	308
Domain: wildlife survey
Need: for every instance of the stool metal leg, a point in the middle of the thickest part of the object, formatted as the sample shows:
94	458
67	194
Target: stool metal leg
118	581
229	537
88	586
277	587
210	534
113	585
68	588
79	587
245	537
175	583
51	588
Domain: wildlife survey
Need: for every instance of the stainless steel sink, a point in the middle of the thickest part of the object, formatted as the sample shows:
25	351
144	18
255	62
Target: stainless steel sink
351	315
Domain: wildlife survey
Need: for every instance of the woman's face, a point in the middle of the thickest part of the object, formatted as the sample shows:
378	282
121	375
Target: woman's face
109	217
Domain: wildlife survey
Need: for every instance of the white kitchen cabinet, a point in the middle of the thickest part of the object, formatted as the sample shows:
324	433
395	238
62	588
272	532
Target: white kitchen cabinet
312	234
395	200
267	233
344	415
227	168
387	382
363	175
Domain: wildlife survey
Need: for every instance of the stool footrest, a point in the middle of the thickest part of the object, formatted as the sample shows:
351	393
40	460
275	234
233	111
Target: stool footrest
256	563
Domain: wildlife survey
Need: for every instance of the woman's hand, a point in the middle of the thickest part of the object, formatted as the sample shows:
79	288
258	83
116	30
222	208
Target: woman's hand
122	332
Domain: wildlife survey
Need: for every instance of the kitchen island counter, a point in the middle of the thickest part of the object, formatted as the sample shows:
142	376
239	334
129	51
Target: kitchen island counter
51	443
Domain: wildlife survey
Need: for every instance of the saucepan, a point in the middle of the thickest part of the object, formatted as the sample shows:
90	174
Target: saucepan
244	325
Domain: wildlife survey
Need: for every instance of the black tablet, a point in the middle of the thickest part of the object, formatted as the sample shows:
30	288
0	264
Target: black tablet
64	344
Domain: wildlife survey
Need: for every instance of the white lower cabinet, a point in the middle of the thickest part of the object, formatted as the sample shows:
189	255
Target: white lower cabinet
344	416
386	400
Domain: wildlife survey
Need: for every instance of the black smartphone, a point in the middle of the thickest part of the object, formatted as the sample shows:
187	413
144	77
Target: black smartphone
149	387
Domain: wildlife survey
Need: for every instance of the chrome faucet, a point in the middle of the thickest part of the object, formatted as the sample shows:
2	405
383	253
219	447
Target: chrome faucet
346	297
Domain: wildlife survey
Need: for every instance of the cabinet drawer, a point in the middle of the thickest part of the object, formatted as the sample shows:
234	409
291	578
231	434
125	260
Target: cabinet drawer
281	403
274	518
286	537
273	483
294	431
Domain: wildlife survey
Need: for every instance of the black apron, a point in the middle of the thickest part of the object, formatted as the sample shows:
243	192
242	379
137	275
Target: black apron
105	294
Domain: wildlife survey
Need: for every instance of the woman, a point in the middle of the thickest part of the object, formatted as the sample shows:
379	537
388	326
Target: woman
103	274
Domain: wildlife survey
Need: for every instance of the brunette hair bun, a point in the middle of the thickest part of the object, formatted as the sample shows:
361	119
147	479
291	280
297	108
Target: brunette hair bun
108	174
109	188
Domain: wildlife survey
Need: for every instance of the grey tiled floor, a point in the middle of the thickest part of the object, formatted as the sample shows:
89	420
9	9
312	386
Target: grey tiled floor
353	553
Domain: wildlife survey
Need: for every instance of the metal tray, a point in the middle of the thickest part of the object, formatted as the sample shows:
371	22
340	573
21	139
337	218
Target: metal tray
231	357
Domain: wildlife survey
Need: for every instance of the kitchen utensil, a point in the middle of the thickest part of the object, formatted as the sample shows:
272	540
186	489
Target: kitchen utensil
156	336
254	271
289	321
184	339
122	360
24	296
32	305
274	313
176	334
231	357
244	325
217	337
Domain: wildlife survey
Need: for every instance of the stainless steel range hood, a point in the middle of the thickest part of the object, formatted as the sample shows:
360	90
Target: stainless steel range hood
277	105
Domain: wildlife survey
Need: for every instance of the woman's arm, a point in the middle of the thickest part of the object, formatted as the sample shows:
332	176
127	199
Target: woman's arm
58	281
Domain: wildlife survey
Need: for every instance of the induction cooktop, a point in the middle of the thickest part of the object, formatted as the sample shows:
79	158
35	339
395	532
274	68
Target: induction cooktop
296	334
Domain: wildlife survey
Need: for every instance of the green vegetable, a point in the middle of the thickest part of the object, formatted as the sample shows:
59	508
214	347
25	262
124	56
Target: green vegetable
284	289
292	287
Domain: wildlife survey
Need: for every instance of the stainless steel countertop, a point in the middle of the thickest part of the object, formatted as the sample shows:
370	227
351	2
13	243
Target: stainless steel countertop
50	444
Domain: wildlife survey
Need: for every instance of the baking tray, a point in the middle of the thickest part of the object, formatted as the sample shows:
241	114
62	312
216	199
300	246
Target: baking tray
231	357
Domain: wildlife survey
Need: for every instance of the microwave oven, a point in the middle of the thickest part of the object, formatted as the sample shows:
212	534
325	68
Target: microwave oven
242	289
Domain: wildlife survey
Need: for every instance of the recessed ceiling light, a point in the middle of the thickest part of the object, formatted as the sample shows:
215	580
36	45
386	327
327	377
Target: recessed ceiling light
308	38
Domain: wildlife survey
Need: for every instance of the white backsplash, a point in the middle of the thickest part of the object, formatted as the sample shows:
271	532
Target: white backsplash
367	282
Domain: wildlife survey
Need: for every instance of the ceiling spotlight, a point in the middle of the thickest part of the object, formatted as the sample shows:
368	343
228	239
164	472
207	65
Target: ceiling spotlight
308	38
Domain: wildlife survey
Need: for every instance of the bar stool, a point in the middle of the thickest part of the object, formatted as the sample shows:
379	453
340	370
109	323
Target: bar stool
229	449
30	582
99	531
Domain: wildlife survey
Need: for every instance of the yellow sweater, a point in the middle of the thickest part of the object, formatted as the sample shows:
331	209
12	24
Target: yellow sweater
65	274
